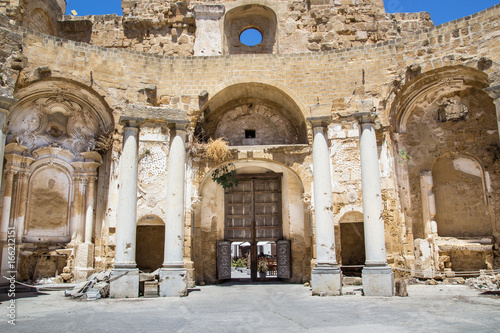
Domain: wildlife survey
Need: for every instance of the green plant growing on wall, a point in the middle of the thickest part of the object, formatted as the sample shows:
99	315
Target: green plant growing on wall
225	177
403	156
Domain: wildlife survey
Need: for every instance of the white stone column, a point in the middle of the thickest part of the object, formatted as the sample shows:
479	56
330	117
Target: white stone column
77	220
5	104
85	253
89	213
125	274
14	206
5	231
378	279
173	275
428	203
7	203
19	213
494	92
326	278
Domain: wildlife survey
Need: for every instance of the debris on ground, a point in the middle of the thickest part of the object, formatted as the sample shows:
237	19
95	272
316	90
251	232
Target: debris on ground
148	284
490	284
96	286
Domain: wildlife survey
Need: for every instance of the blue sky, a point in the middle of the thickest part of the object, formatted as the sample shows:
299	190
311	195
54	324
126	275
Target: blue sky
441	10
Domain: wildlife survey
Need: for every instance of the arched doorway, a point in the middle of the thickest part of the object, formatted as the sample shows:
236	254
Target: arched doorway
253	216
352	243
276	190
150	243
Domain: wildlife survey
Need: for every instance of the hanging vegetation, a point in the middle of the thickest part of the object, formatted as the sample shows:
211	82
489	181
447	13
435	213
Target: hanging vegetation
225	177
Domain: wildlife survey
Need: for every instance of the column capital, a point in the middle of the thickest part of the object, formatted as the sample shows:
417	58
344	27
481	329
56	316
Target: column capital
6	103
319	121
178	125
128	121
493	92
365	117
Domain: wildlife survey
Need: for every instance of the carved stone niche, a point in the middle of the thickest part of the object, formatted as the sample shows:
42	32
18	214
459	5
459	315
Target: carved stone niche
452	109
61	114
55	121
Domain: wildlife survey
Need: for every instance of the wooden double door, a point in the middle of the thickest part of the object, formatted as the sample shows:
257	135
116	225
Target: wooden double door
253	214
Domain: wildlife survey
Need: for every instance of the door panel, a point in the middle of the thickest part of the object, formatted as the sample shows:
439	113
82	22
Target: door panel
253	214
223	260
283	253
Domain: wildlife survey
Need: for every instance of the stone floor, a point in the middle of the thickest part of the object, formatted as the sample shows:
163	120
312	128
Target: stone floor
266	307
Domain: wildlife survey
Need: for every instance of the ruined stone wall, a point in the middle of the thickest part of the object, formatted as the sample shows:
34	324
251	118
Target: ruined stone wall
169	27
11	59
333	80
344	24
428	140
173	34
41	16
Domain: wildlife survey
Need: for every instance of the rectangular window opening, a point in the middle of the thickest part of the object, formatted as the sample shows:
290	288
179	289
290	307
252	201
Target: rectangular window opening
249	134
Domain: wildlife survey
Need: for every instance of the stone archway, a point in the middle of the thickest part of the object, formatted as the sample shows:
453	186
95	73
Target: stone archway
253	113
209	223
437	117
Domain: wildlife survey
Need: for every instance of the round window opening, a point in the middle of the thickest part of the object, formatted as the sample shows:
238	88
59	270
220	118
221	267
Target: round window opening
250	37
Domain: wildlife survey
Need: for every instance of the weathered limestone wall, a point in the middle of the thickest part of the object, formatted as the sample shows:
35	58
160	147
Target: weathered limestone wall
174	36
11	58
324	26
170	27
41	16
328	82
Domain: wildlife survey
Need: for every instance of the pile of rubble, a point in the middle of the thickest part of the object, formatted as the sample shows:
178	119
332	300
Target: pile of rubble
96	286
490	284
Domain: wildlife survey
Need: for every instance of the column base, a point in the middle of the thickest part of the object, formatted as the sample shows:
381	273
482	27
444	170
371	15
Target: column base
190	273
326	281
173	282
378	281
124	283
84	261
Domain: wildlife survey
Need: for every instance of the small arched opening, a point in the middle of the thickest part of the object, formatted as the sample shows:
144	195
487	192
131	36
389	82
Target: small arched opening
260	20
150	243
352	243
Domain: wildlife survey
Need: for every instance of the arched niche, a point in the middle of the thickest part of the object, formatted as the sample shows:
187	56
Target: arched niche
432	87
59	113
251	16
436	114
253	114
460	196
43	16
